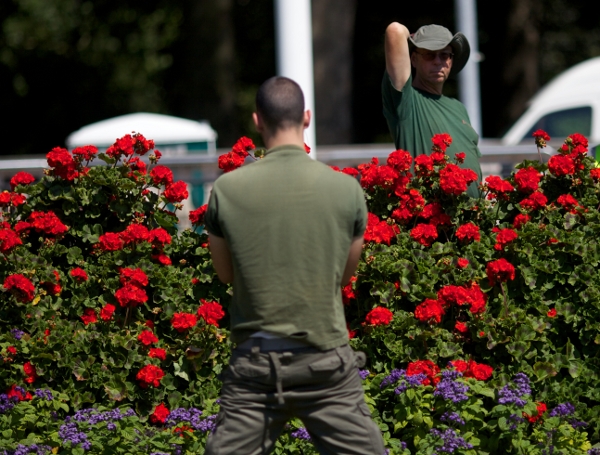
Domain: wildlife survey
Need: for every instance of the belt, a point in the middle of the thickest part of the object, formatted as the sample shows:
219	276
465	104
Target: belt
275	345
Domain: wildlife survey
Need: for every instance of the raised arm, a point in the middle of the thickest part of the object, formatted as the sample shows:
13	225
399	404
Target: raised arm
397	55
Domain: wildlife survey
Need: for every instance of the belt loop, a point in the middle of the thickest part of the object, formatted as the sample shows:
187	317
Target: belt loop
277	367
255	350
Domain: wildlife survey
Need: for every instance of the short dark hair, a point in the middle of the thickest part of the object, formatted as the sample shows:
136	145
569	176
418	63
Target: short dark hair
280	103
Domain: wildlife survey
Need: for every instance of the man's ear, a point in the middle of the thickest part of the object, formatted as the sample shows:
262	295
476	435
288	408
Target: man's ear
307	118
412	59
258	124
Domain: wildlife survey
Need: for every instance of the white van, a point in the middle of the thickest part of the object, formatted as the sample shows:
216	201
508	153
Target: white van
568	104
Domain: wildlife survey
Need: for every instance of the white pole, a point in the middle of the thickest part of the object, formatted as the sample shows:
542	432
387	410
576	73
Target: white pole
293	30
468	78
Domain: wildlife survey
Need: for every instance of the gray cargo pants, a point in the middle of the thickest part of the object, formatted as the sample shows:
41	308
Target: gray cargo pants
262	391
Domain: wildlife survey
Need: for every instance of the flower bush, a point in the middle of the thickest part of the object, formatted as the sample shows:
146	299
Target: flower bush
479	317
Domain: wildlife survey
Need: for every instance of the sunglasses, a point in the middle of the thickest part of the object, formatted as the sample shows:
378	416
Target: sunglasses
430	56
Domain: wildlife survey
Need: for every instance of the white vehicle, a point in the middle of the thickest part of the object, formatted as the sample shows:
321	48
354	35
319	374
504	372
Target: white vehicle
570	103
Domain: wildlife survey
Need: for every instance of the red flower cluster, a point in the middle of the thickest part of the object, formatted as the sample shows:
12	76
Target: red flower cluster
22	288
162	259
379	231
468	232
379	316
30	372
135	277
504	237
400	160
234	159
568	202
197	216
498	188
430	311
455	180
87	153
423	165
21	178
14	199
347	170
47	223
426	367
183	321
527	179
128	145
131	296
8	240
63	164
89	316
135	233
244	145
472	369
520	220
157	353
146	337
160	414
176	192
540	138
541	409
13	392
425	234
551	313
159	237
411	204
500	271
461	327
435	214
347	291
534	201
211	312
462	263
560	165
441	142
107	311
150	375
78	274
110	242
161	175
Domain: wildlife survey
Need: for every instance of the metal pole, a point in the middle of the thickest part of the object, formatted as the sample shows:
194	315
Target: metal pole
293	30
468	78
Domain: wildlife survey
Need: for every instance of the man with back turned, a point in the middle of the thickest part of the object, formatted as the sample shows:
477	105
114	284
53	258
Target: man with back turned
287	231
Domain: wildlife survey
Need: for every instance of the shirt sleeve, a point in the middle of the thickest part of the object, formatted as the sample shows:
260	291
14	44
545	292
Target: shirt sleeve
360	223
395	104
211	218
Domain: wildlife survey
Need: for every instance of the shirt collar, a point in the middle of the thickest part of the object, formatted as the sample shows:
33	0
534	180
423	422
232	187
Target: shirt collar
289	147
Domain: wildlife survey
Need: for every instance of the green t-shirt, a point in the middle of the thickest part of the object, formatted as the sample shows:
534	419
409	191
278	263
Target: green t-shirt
288	221
415	116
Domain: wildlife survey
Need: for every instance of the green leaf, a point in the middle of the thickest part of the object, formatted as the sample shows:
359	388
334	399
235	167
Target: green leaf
543	370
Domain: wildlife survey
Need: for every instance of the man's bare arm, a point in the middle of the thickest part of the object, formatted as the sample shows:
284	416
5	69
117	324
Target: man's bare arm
397	55
221	258
353	258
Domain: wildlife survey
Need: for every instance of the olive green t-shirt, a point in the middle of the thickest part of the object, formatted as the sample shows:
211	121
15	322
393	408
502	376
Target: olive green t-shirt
415	116
289	222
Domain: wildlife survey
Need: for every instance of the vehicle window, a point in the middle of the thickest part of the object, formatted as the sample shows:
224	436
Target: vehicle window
560	124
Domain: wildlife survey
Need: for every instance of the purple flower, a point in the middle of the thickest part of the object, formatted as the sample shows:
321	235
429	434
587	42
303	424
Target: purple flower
578	424
450	389
44	393
364	374
18	334
593	452
6	404
301	433
564	409
452	417
392	378
32	449
415	380
69	432
206	425
516	420
513	393
451	441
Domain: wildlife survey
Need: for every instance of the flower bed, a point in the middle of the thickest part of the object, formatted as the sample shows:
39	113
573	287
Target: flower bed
480	317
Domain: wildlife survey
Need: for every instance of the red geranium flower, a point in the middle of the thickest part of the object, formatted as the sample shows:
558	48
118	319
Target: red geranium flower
106	313
568	202
89	316
441	142
453	180
13	392
426	367
21	178
183	321
243	146
230	161
87	152
435	214
157	353
459	365
8	240
400	160
211	312
162	259
379	231
540	138
159	237
468	232
479	371
134	277
541	409
131	296
498	187
461	327
62	163
47	223
560	165
462	263
551	313
11	350
160	414
577	139
500	271
31	373
146	337
161	175
520	220
150	375
453	295
197	216
425	234
504	237
135	233
110	242
430	311
476	298
379	316
527	179
176	192
534	201
22	288
347	292
78	274
460	157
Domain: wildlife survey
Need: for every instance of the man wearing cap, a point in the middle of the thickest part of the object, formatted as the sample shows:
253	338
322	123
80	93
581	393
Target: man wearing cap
417	66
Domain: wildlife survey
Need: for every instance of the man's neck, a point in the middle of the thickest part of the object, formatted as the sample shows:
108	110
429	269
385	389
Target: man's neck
291	136
435	89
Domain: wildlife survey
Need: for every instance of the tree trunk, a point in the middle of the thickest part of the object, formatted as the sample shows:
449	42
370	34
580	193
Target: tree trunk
333	30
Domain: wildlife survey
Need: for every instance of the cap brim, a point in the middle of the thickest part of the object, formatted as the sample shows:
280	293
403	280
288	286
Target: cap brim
460	46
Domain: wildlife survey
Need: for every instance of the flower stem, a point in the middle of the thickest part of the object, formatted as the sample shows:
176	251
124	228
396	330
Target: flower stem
505	299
